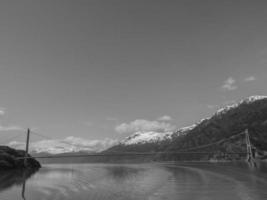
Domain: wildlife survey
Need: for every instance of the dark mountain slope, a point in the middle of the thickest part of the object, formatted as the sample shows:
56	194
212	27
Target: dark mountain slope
249	114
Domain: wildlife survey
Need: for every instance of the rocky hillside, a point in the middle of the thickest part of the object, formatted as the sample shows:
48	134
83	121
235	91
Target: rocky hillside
10	159
249	113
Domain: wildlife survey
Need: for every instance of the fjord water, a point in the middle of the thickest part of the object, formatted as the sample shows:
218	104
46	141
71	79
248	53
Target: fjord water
183	181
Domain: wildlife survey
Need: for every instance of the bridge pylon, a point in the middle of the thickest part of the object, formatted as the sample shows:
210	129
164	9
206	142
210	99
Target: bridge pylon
250	150
27	147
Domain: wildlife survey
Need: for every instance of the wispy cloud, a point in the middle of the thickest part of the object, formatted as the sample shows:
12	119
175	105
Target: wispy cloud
111	119
142	125
89	124
229	102
69	144
2	111
10	128
212	106
250	78
165	118
229	84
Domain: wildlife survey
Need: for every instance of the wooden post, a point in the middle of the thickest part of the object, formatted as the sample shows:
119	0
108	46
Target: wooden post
27	147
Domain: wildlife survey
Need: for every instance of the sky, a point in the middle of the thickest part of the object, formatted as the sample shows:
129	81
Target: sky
102	70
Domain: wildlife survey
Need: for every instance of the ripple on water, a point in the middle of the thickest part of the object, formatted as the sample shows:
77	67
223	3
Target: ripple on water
141	182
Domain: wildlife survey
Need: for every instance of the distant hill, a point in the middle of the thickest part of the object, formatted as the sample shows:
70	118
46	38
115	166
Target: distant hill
67	145
69	157
227	122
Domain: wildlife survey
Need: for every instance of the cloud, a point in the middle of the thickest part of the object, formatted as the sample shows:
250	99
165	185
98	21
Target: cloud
141	125
229	102
212	106
10	128
165	118
94	145
229	84
89	124
69	144
111	119
2	111
250	78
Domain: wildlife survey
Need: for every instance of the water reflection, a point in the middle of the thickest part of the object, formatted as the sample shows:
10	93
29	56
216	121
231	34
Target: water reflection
138	182
123	173
10	178
219	181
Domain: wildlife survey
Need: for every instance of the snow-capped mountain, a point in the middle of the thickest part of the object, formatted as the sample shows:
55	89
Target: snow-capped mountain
249	113
153	136
149	140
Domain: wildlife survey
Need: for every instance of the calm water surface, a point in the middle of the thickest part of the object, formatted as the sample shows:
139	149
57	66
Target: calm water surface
139	182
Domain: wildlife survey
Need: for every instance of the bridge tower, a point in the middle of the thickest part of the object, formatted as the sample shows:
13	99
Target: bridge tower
250	151
27	146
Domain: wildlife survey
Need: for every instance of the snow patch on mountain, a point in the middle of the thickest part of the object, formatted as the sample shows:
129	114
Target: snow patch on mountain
152	136
146	137
254	98
187	128
247	100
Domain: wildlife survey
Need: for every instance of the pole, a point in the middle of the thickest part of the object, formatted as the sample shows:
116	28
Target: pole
27	147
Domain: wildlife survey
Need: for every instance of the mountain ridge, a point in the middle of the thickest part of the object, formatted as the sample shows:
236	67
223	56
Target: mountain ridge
158	136
249	113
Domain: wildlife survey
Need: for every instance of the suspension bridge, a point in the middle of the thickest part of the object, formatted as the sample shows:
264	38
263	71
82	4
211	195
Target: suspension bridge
249	153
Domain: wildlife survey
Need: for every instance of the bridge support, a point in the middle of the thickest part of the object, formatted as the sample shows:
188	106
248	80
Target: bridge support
250	150
27	147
